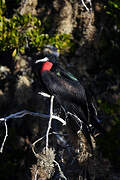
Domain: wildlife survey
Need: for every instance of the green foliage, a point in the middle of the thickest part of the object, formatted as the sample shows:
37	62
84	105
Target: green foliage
113	4
27	30
113	9
2	7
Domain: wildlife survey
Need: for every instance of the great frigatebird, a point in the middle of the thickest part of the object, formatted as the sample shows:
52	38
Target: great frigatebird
69	94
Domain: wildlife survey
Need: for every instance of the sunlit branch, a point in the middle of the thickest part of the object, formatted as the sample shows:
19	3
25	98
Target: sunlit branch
50	120
86	6
6	134
22	114
60	171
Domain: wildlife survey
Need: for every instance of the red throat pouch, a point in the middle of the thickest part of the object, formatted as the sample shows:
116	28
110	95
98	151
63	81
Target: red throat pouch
46	66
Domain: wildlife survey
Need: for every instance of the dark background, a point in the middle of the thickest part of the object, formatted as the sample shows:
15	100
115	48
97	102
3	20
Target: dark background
93	57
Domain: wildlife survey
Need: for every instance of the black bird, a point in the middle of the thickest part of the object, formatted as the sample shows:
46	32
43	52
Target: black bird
69	94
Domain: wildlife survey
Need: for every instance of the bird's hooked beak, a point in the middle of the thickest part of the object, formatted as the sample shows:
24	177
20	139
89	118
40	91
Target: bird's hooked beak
42	60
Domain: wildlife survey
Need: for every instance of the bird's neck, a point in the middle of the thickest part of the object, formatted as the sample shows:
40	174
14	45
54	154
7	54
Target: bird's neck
46	66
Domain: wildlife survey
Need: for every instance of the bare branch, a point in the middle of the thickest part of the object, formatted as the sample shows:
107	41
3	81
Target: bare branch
6	134
50	120
60	171
40	139
86	6
26	112
22	114
36	175
79	120
44	94
90	5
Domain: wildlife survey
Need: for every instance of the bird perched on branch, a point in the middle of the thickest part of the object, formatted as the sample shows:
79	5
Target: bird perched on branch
69	94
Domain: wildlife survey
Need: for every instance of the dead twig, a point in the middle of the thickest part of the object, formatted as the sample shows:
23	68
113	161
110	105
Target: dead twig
6	134
22	114
86	6
50	120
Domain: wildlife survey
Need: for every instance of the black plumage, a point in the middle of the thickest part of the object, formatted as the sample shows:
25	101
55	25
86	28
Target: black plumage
71	96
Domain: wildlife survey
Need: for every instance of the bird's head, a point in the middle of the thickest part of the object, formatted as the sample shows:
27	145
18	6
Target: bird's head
51	55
